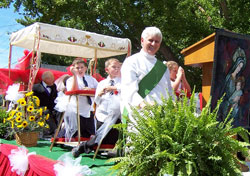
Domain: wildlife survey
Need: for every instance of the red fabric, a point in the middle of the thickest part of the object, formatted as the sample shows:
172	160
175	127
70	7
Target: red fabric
98	77
200	96
40	166
4	82
90	92
17	75
6	149
72	139
179	95
21	73
24	62
5	168
105	146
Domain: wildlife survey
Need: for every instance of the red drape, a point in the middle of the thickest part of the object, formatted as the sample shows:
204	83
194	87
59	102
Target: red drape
38	165
5	168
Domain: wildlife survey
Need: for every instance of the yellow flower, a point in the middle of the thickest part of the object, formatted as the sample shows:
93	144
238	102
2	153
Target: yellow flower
12	124
4	120
47	117
36	100
41	124
32	118
40	111
21	99
12	113
30	108
29	94
18	119
19	114
31	103
19	126
25	123
22	102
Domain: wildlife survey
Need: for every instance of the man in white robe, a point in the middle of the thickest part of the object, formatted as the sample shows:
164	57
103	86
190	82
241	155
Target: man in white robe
137	66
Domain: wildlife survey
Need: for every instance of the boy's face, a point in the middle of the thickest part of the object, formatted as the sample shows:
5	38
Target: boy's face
80	69
173	72
114	69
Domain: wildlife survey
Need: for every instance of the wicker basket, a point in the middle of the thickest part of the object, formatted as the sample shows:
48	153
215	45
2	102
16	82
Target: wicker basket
28	139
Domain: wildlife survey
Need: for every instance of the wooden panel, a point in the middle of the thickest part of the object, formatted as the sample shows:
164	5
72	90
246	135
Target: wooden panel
207	72
200	52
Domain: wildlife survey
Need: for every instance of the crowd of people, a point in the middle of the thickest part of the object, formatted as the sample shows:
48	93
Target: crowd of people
141	79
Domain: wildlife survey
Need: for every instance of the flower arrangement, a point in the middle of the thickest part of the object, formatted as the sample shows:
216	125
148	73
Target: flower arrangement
28	115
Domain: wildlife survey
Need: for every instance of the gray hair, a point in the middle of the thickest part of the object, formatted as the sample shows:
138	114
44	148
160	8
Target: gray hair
151	31
47	74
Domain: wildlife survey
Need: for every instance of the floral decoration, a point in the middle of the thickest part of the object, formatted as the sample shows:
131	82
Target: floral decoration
101	44
28	115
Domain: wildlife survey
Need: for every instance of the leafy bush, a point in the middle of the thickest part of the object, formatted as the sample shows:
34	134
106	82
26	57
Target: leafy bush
3	126
172	139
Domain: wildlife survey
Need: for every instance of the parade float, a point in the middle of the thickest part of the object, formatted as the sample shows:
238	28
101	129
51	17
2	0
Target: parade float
40	38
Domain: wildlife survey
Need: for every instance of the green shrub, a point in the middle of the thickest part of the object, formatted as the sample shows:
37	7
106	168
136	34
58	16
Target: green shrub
172	139
3	126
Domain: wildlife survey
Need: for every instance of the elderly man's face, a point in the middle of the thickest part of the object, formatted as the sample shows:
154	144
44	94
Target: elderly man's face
151	44
49	80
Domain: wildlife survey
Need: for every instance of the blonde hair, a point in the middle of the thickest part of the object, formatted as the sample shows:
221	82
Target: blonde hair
111	60
171	64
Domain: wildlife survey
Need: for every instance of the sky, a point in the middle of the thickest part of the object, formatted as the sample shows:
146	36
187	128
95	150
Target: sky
8	25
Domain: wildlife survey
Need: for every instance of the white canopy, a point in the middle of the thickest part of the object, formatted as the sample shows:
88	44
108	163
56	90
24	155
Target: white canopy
47	38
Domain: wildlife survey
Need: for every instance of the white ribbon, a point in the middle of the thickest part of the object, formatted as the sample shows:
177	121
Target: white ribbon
19	160
69	166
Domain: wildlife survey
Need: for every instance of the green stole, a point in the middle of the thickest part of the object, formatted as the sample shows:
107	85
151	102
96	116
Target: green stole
149	81
147	84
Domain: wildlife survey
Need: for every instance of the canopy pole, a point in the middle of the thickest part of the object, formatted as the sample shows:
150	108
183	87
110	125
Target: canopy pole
129	49
95	61
31	65
9	63
34	63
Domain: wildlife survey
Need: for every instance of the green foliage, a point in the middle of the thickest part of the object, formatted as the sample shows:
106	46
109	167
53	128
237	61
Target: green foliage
3	126
172	139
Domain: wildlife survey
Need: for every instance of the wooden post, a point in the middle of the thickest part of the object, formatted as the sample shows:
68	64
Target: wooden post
201	54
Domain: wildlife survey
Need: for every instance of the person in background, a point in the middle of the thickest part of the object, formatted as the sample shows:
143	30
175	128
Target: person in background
46	91
81	81
144	79
61	102
107	99
178	79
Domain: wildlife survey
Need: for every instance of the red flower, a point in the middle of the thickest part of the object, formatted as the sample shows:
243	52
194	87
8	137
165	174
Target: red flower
116	92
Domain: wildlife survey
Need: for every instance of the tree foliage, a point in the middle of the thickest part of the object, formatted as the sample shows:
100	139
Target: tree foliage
181	22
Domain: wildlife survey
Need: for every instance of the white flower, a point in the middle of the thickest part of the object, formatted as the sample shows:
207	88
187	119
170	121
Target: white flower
19	160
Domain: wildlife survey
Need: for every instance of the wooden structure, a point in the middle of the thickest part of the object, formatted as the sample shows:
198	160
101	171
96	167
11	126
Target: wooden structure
201	54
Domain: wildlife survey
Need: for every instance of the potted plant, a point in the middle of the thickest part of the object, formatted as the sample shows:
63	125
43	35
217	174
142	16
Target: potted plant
27	119
172	139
